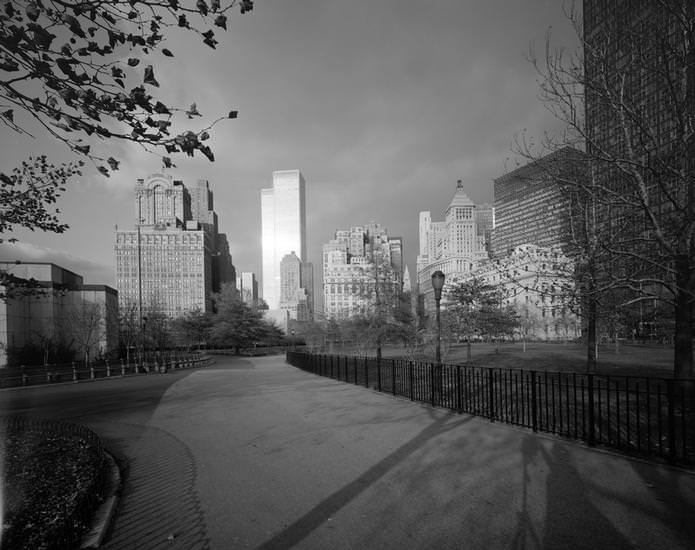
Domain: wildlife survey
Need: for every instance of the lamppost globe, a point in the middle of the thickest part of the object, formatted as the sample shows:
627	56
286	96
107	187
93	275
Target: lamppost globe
437	284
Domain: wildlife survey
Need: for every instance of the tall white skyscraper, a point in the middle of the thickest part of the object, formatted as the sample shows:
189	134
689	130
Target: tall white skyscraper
283	221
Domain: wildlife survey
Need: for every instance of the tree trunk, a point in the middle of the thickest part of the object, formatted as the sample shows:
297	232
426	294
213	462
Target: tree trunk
683	349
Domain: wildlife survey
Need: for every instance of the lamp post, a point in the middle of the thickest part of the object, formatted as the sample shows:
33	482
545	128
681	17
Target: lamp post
437	285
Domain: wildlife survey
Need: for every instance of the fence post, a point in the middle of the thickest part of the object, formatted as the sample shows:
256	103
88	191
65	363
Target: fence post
432	384
91	372
592	431
393	376
378	374
410	378
458	388
491	393
671	421
534	402
366	372
74	372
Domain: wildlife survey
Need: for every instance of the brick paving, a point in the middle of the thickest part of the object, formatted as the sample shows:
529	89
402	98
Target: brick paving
159	507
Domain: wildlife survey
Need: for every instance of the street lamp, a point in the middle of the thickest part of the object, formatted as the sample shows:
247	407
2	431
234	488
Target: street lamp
437	285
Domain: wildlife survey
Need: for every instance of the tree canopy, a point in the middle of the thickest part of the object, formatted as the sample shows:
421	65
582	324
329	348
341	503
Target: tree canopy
85	70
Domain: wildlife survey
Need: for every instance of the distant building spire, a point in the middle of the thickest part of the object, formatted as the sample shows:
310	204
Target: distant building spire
459	184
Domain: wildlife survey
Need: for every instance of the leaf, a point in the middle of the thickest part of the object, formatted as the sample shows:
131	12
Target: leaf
167	162
207	152
133	61
149	77
182	21
113	163
33	11
202	7
84	149
221	21
233	114
193	111
204	136
103	170
167	53
161	109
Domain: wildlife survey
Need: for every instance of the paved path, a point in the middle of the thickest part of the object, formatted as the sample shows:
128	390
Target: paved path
256	454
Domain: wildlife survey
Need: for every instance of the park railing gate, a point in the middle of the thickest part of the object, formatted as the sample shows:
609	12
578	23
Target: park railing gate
646	416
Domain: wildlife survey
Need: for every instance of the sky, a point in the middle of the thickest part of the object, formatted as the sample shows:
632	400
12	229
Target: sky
382	105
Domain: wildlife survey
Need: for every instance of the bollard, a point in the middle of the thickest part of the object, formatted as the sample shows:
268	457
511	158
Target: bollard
122	368
74	372
108	370
25	379
91	372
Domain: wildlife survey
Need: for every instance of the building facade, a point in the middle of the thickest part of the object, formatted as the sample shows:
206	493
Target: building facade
362	271
293	296
65	316
248	288
531	206
170	262
452	246
538	282
283	228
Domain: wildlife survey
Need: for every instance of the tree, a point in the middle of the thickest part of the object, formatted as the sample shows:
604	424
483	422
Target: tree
87	327
627	99
129	329
236	324
84	70
193	327
26	199
479	308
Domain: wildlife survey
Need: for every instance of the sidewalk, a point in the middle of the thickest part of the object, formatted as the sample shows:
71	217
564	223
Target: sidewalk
255	453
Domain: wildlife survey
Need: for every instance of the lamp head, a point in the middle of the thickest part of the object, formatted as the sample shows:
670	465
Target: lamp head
437	284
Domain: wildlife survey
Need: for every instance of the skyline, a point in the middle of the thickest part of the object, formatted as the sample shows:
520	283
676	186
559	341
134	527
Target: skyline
382	108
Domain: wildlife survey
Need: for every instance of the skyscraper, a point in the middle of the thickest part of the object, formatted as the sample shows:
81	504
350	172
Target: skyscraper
169	263
293	296
530	205
248	288
283	221
452	246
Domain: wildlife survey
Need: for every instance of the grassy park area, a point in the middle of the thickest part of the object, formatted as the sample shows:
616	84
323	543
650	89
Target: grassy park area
634	359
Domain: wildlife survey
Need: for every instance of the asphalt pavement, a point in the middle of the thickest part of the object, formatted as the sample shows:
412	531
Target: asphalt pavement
253	453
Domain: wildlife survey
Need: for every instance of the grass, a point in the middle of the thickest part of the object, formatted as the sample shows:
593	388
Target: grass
51	484
631	359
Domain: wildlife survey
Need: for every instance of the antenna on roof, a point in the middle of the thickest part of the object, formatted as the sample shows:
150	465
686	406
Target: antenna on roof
459	184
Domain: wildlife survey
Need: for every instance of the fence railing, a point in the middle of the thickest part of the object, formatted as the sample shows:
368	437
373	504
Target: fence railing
77	372
651	417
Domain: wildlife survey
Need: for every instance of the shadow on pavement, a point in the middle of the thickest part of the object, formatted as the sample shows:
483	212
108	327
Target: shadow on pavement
313	519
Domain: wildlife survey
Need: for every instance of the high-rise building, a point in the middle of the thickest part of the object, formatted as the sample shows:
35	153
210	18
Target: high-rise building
283	221
531	206
248	288
452	246
485	223
169	263
362	271
293	296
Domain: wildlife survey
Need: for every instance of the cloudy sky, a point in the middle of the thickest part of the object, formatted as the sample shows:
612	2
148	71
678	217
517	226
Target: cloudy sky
382	105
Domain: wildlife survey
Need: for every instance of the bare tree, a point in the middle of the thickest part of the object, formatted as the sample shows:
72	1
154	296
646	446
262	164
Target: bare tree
87	327
627	99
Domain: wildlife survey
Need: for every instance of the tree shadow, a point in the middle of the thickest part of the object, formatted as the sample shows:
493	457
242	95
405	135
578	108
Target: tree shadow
327	508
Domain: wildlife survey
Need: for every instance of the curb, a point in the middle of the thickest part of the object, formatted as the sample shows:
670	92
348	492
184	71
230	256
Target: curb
104	514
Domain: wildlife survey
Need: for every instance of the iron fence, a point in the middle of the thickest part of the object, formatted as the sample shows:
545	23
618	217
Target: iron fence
77	372
646	416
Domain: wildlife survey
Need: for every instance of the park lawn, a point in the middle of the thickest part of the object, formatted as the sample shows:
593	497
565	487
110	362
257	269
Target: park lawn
631	359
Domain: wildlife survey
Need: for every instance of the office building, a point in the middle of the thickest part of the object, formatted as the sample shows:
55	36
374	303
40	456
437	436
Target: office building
248	288
362	272
531	205
283	227
170	262
293	296
66	319
452	246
